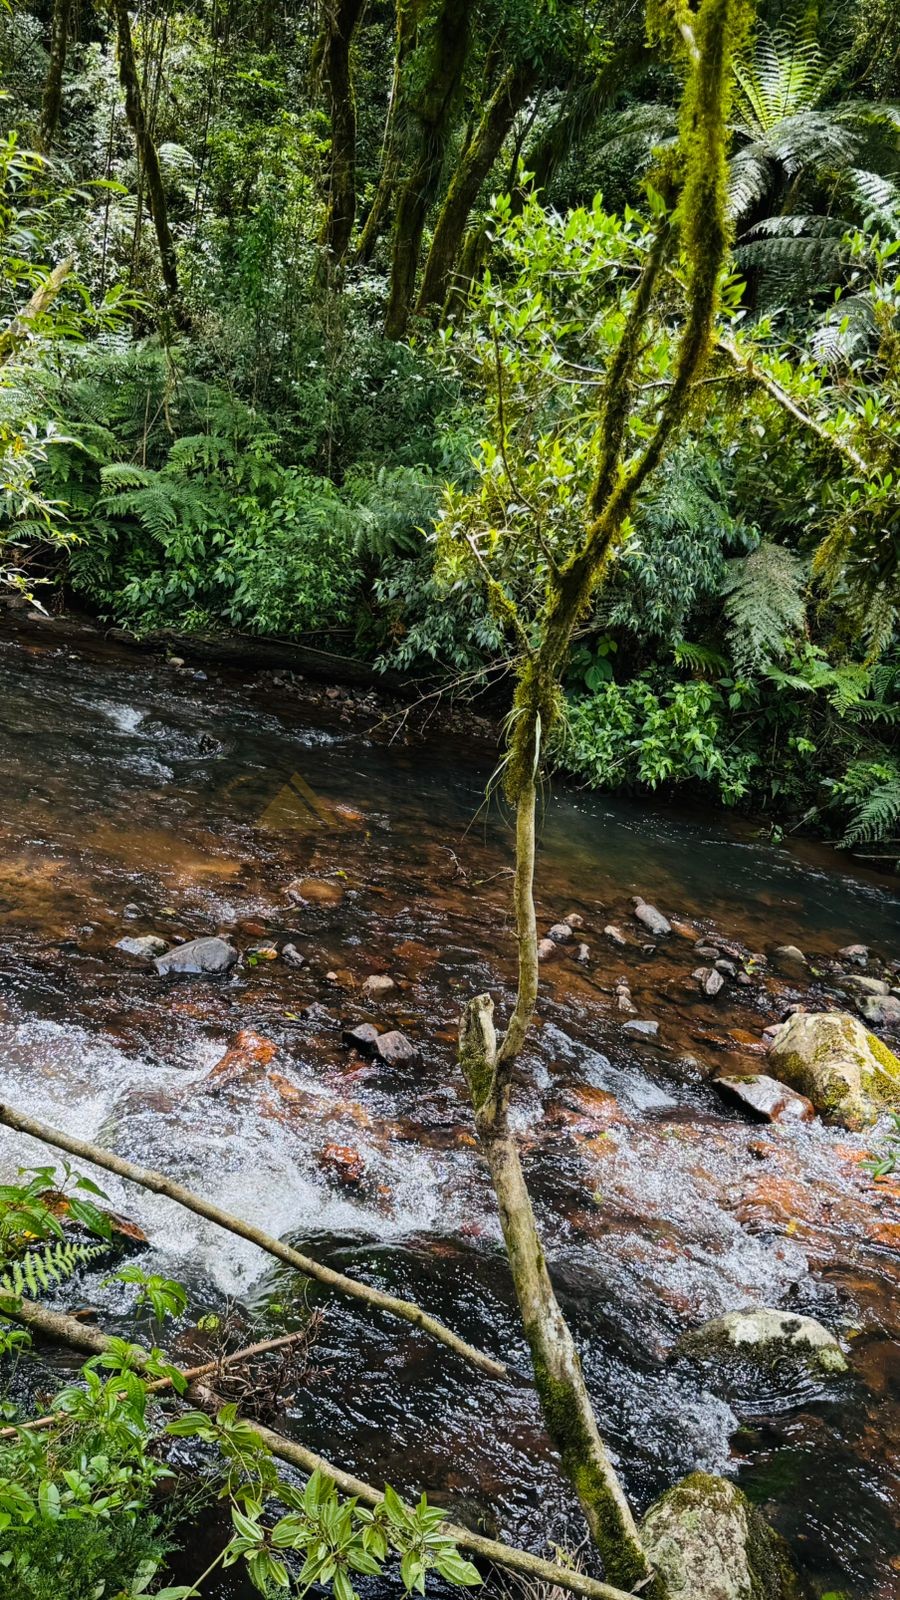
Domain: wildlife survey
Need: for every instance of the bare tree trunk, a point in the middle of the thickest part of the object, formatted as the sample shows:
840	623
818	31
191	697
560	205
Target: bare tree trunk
565	1403
341	19
146	149
53	84
475	163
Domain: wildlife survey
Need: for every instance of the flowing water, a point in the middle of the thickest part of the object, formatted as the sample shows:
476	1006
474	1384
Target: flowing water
135	798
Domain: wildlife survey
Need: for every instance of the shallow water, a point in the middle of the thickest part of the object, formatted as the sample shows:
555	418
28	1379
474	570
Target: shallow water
134	799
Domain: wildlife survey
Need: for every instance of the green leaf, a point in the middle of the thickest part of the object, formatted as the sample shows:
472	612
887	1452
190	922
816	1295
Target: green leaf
48	1501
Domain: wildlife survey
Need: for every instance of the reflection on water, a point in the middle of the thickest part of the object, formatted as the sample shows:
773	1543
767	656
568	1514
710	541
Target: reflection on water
136	800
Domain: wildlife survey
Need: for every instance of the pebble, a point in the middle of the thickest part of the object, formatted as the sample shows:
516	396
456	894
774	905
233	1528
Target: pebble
363	1036
709	979
560	933
648	1029
292	956
650	917
766	1098
396	1049
615	935
148	946
378	984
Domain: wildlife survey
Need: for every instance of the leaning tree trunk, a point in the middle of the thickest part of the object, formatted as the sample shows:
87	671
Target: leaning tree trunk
565	1402
53	84
475	163
146	149
441	52
341	19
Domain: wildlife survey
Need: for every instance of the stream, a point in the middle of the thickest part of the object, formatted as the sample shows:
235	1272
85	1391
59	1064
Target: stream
139	798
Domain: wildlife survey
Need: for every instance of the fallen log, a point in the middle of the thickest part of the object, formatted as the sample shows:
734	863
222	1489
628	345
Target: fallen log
159	1183
35	1424
68	1330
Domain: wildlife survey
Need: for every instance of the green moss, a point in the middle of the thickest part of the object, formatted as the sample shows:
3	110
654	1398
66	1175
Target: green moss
874	1083
624	1561
694	1518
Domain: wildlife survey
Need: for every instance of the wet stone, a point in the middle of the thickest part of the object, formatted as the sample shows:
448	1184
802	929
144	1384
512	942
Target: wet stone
766	1099
727	968
709	980
650	917
546	949
860	984
583	954
199	957
615	935
765	1335
881	1010
377	985
560	933
396	1050
292	956
147	946
857	953
709	952
789	957
645	1029
363	1036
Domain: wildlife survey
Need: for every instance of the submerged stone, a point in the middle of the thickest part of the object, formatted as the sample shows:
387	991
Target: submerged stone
208	957
377	985
646	1029
848	1074
396	1049
708	1542
767	1336
362	1037
650	917
146	946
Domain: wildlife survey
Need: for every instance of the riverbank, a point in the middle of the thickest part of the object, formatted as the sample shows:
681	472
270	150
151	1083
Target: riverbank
139	800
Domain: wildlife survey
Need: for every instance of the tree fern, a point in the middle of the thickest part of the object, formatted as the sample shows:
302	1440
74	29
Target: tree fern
764	603
876	814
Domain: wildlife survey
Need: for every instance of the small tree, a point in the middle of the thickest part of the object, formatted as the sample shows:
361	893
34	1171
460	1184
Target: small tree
540	531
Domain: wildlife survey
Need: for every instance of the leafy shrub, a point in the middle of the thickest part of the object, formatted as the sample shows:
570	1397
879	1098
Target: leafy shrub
641	733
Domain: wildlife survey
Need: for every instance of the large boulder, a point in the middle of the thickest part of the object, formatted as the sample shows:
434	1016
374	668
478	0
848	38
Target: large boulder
765	1336
848	1074
708	1542
208	957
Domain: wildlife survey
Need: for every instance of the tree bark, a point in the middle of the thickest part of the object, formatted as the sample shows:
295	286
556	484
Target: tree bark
17	332
565	1402
68	1330
475	163
440	52
158	1183
53	84
341	19
146	149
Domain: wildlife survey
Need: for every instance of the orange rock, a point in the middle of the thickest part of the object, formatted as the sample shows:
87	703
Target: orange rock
315	891
600	1105
343	1162
249	1055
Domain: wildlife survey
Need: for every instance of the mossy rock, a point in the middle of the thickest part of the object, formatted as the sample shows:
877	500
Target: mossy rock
767	1337
708	1542
848	1074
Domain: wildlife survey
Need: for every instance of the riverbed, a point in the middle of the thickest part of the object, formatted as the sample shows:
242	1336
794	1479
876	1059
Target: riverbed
137	798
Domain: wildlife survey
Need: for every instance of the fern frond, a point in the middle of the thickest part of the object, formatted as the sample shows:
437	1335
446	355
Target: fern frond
876	814
39	1270
764	603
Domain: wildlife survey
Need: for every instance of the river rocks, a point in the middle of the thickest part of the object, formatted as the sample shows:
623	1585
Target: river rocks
709	980
726	967
377	985
560	933
709	1543
645	1029
767	1336
574	919
247	1058
583	954
624	1001
395	1049
881	1010
546	949
860	983
848	1074
344	1163
363	1036
767	1099
789	959
615	935
857	953
708	952
206	957
146	946
314	891
650	917
292	956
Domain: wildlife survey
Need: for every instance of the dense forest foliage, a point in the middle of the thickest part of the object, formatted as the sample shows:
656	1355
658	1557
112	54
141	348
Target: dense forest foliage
307	311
